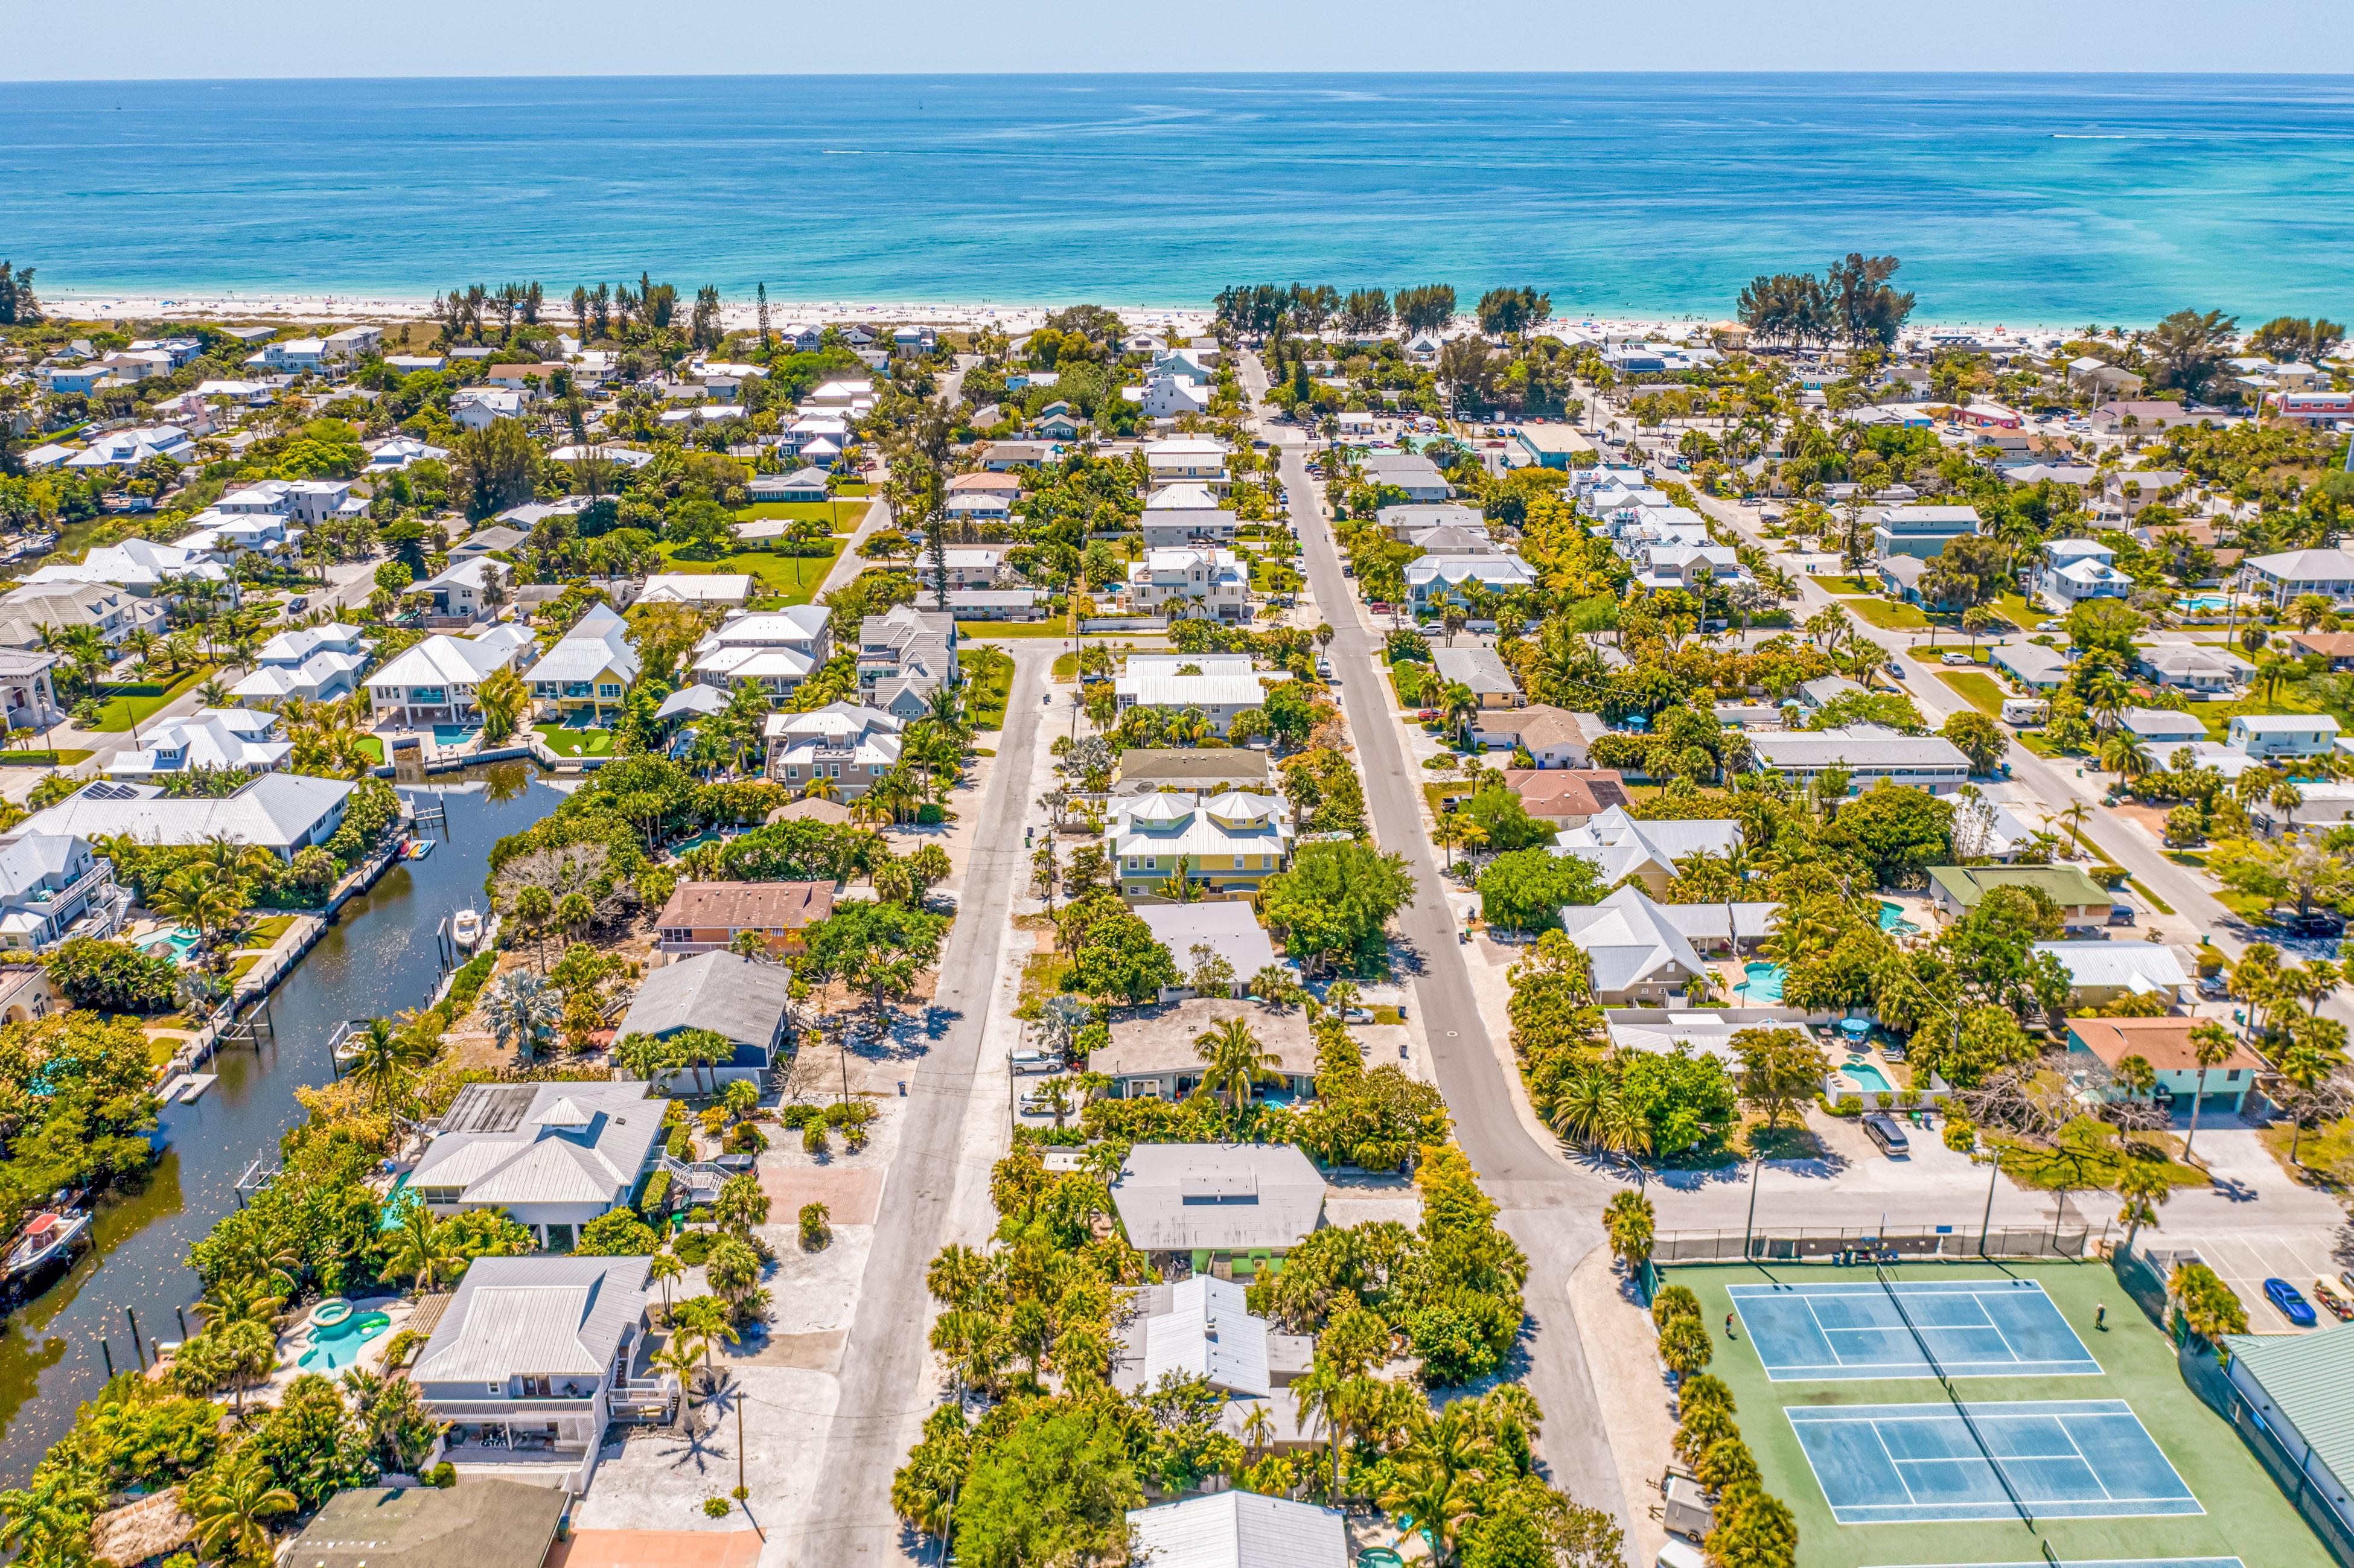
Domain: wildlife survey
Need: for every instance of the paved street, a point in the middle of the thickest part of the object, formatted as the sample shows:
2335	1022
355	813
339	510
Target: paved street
1551	1208
886	1387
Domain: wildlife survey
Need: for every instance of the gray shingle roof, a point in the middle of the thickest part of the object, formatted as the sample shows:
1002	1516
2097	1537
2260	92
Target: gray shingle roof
733	996
1233	1197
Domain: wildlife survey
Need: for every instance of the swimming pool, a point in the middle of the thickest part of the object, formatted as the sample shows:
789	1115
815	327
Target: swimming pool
177	946
1764	982
1869	1078
452	734
1891	919
2209	601
336	1346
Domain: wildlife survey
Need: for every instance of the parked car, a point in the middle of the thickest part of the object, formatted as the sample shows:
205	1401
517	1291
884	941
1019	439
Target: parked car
2339	1308
2293	1307
2050	625
2215	988
1895	670
298	604
1956	659
1035	1062
2121	913
1884	1130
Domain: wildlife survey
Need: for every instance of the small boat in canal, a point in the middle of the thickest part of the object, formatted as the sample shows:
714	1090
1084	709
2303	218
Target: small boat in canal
466	928
416	849
48	1237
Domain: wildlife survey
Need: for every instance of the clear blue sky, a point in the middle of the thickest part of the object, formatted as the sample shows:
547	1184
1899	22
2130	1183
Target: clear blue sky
153	38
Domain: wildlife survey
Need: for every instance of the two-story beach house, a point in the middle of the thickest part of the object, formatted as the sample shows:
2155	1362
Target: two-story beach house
1230	843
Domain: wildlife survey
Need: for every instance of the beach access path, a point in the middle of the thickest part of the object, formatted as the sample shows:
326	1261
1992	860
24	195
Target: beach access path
1551	1207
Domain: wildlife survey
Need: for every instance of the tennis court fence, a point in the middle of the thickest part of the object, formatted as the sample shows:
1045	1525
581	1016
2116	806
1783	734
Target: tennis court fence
1916	1243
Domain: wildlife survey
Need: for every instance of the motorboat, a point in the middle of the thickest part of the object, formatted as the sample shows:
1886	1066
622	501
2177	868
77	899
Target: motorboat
466	928
46	1237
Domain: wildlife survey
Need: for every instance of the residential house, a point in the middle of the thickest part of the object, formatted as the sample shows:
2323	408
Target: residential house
804	486
1867	754
1170	397
140	567
2163	728
1553	738
1057	423
2084	904
554	1156
1241	1530
2292	574
590	669
2129	414
1225	687
2101	973
2312	409
1619	846
1482	672
1705	1032
217	739
1900	577
2267	735
1402	520
995	604
500	538
533	1355
2074	570
476	408
353	343
54	885
972	566
483	1520
1185	583
462	590
776	649
1225	927
1638	953
1688	567
2192	669
1552	446
129	449
437	679
1152	1053
1447	539
2287	1396
904	656
1202	1327
1227	1210
114	612
746	1001
1198	459
708	917
2031	664
2337	647
1186	514
1002	485
1821	693
1564	797
315	663
848	745
1003	457
2127	491
1410	473
1922	531
1229	844
697	588
2101	378
1143	771
976	506
284	813
1433	582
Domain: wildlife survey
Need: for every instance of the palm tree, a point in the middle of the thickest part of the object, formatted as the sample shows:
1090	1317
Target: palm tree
2211	1048
386	1060
423	1249
2286	798
661	1269
1458	706
678	1358
2143	1187
524	1011
501	698
229	1508
1237	1060
704	1320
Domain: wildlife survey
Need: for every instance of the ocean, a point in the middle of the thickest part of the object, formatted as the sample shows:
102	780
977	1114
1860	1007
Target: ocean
2012	199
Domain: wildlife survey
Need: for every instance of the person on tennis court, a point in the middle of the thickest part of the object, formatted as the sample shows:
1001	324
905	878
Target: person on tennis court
2101	1316
1728	1327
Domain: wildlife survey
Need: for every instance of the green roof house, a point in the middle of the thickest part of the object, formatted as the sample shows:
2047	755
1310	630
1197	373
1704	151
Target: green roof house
1956	890
2300	1388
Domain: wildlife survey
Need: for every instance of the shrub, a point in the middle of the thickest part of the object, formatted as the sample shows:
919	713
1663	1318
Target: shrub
1673	1301
1960	1136
443	1475
930	814
1725	1462
745	1138
1848	1104
716	1508
654	1202
714	1120
692	1247
1685	1345
2210	1308
396	1351
1704	1388
813	1138
815	1231
682	1144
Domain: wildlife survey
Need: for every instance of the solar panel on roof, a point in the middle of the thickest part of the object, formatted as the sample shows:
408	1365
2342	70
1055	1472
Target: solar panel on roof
103	792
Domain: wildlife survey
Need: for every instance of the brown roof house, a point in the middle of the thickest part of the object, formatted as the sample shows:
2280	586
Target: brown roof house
707	916
1567	796
2338	647
1152	1053
1554	738
2165	1044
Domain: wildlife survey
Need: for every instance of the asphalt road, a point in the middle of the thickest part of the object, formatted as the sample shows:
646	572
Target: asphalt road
886	1384
1551	1208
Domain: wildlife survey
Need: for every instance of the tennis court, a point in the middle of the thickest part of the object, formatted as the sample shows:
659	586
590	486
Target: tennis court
1913	1464
1972	1327
2110	1562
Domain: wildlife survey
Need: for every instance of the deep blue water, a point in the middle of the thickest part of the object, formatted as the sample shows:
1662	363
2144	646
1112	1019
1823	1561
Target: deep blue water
2052	200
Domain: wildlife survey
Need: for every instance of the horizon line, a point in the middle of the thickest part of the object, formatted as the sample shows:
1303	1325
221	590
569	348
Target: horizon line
2055	75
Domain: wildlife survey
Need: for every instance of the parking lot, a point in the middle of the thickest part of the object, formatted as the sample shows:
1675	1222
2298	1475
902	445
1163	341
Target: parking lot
2245	1259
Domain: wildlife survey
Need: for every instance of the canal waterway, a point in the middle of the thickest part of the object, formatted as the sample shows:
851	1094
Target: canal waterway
380	955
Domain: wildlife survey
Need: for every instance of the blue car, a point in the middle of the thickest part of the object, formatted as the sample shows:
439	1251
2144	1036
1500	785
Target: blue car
2293	1305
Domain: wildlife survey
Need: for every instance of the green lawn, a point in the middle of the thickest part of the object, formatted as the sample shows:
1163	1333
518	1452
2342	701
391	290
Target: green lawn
986	696
2019	612
2246	1515
1979	691
1057	628
121	712
1848	585
1888	616
843	516
787	579
64	757
576	742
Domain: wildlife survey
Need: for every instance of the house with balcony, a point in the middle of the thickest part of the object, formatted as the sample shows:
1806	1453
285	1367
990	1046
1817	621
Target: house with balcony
436	681
1228	844
222	739
2165	1044
284	813
1922	531
2268	736
1435	582
28	691
462	590
708	917
534	1357
143	568
555	1156
52	887
477	407
315	663
904	656
1621	845
1196	459
774	650
1227	1210
2192	669
1187	513
1220	686
2290	573
113	613
745	1002
1689	566
588	670
844	744
2074	570
1190	583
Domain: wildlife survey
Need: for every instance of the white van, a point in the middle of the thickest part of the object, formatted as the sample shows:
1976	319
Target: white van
2025	710
1033	1062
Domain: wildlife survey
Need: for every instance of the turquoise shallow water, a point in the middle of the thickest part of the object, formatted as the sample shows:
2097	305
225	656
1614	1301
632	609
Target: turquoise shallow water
2012	199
